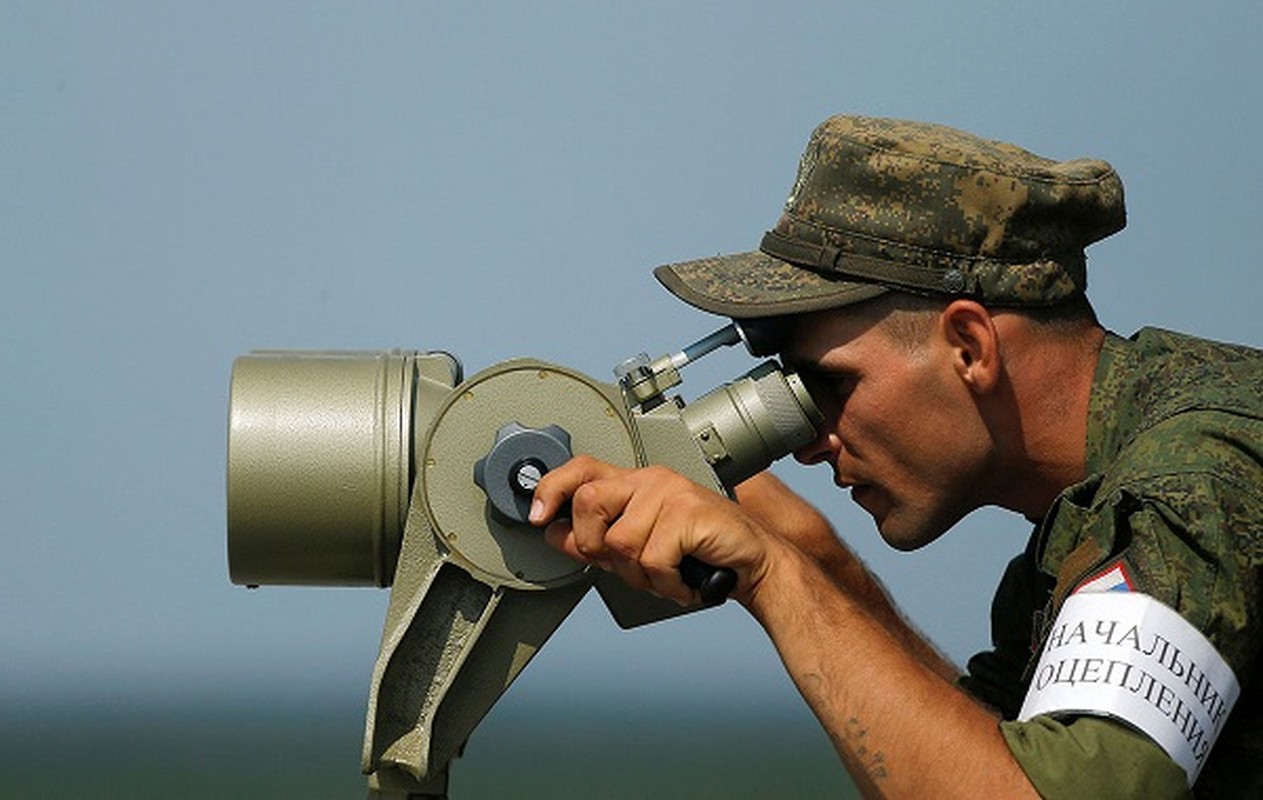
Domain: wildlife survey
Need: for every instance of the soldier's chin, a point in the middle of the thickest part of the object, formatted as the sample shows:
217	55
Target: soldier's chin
885	515
906	534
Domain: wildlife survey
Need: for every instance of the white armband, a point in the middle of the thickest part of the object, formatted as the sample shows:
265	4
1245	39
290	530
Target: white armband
1125	655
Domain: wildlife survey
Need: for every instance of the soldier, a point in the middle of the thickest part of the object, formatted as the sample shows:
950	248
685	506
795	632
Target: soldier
935	283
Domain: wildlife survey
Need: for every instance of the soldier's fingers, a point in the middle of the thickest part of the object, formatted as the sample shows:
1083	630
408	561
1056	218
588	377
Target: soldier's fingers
628	535
594	507
660	564
558	486
559	534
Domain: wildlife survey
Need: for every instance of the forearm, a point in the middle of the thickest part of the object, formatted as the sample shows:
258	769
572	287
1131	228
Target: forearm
901	728
791	518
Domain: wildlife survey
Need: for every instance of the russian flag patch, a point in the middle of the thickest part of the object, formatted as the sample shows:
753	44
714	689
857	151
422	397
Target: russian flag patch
1114	578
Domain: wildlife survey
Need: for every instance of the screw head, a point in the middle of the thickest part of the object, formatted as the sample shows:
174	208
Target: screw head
524	475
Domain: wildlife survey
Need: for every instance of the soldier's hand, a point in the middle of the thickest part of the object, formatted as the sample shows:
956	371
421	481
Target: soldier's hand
641	523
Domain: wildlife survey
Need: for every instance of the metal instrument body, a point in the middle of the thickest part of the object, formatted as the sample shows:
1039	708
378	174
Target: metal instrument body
386	469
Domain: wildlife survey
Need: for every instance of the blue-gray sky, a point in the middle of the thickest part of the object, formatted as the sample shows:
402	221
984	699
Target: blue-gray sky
180	183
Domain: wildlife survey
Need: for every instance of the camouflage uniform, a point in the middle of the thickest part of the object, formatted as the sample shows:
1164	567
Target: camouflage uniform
1175	442
1175	490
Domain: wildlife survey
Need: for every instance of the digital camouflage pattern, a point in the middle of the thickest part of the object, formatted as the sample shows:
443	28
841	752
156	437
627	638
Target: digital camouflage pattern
882	203
1175	489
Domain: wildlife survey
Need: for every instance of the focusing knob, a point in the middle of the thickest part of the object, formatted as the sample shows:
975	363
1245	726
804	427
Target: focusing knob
518	458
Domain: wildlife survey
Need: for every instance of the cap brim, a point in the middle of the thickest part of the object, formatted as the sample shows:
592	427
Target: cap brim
751	285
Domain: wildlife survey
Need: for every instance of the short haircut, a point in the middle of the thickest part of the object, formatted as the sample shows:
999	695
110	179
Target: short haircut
909	318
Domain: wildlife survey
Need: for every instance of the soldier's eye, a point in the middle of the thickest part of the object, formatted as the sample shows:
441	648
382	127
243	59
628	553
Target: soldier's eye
828	389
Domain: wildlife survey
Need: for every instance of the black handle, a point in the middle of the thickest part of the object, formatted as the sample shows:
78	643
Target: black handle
714	584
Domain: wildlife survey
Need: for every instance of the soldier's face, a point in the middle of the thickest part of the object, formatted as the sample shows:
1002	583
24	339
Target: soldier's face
901	431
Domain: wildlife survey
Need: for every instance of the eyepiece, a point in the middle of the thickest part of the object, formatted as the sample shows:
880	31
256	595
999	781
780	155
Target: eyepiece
744	426
764	336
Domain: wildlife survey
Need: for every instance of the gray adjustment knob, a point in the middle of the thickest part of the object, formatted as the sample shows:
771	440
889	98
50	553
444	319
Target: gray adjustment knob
517	460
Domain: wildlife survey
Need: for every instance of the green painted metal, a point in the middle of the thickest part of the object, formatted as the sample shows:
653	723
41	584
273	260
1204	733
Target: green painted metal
358	468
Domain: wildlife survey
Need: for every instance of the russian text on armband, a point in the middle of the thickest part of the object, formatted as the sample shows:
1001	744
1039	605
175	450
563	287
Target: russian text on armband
1128	656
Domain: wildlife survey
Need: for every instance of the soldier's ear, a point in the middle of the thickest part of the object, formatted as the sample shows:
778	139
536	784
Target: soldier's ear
970	333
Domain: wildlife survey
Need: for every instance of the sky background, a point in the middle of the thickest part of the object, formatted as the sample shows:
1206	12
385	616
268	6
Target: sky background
181	183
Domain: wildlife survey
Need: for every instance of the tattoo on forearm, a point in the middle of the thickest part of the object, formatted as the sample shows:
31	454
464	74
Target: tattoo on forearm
853	738
873	762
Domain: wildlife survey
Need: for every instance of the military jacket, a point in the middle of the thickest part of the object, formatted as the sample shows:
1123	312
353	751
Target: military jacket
1174	495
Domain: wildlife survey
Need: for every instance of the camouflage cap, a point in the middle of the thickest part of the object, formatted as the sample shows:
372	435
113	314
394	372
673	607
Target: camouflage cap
884	204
